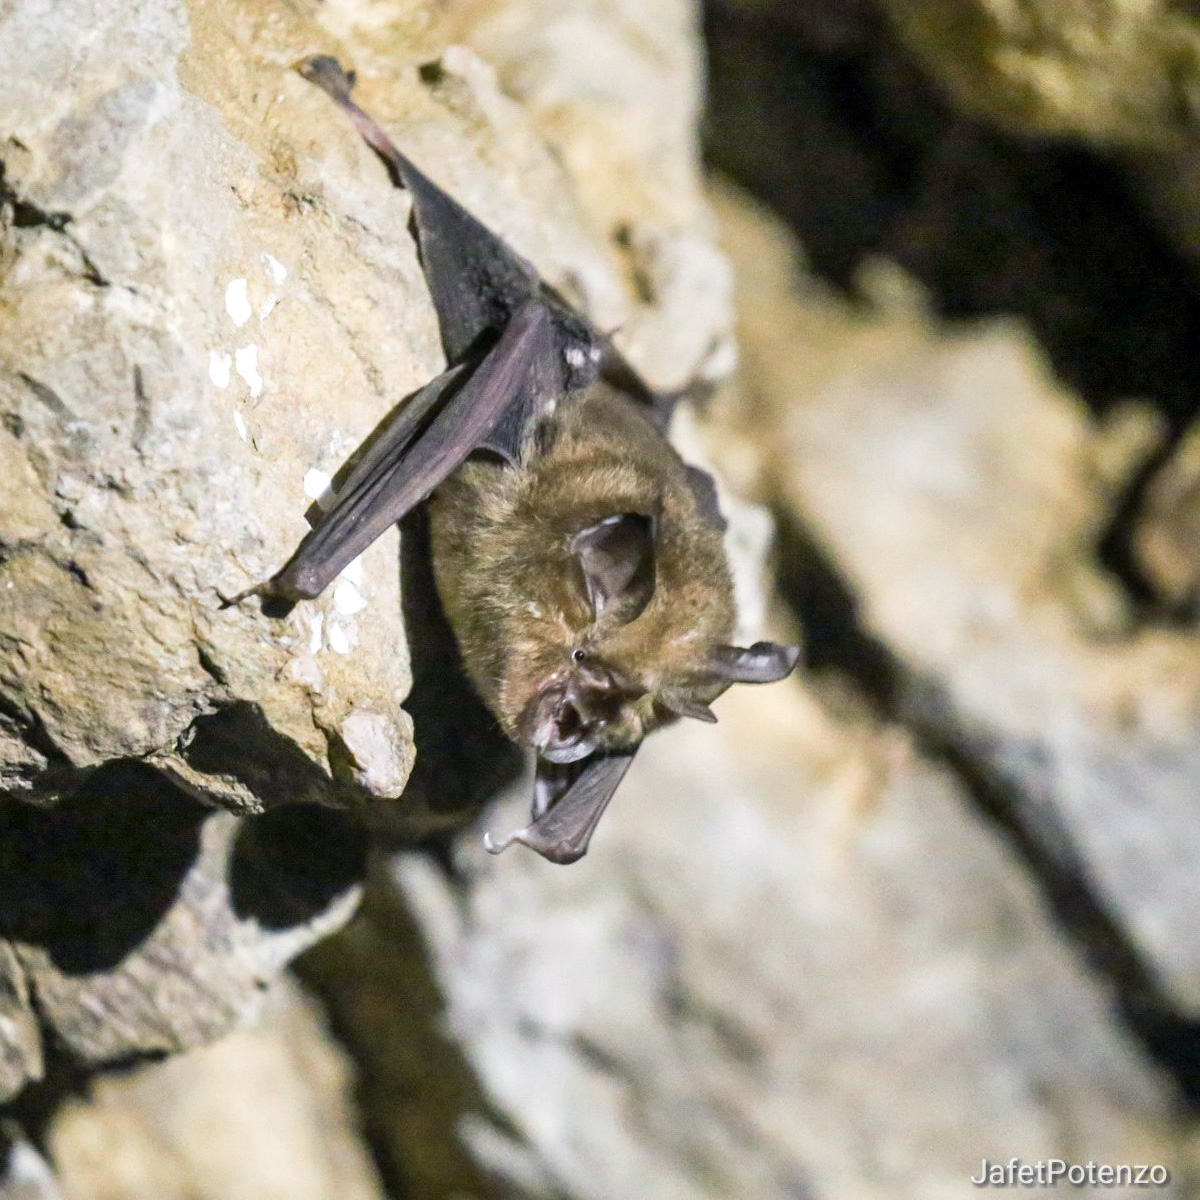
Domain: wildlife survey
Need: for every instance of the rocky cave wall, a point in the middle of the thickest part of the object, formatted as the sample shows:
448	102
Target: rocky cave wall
933	900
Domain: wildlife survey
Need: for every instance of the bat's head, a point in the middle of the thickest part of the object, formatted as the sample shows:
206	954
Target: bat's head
644	644
649	649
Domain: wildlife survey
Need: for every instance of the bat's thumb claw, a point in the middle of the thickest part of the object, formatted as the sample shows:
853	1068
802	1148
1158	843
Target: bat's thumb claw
273	603
494	846
328	74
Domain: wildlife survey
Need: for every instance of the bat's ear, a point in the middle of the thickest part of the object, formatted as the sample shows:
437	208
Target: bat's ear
764	662
617	557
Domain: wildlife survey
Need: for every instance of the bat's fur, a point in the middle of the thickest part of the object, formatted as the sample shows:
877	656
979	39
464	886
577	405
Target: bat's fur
515	594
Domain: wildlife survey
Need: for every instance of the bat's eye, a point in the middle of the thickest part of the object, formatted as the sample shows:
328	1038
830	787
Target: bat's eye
578	655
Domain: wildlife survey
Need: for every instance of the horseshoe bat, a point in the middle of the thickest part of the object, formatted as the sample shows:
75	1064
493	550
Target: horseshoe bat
579	561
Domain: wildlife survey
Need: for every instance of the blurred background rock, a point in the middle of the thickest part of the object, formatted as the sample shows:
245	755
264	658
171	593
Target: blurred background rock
934	900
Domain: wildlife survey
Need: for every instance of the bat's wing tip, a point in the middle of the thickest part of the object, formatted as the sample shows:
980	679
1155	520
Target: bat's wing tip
563	854
328	74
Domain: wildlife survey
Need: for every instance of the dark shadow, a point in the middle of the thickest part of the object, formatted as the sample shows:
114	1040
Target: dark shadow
292	863
91	877
463	757
239	743
818	111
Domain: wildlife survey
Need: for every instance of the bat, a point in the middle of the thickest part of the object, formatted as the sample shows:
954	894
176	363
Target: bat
578	560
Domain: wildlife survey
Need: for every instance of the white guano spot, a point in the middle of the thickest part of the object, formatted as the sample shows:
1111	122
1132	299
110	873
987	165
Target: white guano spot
239	423
237	303
268	307
347	599
245	360
353	571
220	367
314	639
316	486
339	643
274	268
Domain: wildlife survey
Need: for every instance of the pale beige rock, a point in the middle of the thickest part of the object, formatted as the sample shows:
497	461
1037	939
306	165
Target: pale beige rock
263	1115
24	1173
20	1040
615	88
792	964
962	491
208	298
1168	535
1121	72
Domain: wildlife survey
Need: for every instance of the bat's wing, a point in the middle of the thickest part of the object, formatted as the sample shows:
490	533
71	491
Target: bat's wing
432	435
563	825
478	282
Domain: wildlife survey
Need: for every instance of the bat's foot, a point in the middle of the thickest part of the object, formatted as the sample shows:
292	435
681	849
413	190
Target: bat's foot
328	74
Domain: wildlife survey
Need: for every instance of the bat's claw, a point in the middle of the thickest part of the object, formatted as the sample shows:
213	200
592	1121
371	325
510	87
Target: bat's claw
233	601
273	604
494	846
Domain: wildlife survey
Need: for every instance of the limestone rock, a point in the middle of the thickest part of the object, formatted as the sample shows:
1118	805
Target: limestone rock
1120	72
136	920
1168	534
794	963
264	1115
961	493
208	299
24	1173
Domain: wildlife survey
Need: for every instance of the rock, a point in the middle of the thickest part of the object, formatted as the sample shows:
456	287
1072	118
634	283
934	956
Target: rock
20	1038
616	90
264	1115
1168	534
24	1173
961	492
1119	72
135	920
191	329
208	299
794	963
416	1088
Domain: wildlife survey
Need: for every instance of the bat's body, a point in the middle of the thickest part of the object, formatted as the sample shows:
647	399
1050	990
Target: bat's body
578	559
512	586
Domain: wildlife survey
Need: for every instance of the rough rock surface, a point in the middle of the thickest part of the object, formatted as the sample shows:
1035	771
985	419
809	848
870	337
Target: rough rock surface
263	1115
1168	535
1123	75
24	1173
138	920
1125	72
961	493
793	964
208	298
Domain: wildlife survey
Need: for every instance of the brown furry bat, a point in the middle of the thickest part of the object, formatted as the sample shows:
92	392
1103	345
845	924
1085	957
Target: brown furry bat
578	559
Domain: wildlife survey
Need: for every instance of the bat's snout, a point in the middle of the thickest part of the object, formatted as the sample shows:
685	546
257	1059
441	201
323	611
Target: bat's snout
557	728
